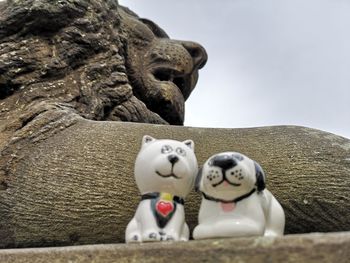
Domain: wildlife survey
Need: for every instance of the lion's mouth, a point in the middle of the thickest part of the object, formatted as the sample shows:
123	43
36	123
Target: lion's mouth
174	88
169	75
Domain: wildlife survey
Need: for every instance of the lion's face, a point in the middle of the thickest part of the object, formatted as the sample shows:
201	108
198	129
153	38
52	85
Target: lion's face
163	72
101	62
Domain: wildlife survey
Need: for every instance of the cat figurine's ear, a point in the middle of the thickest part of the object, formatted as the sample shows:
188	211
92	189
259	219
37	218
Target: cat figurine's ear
147	139
189	143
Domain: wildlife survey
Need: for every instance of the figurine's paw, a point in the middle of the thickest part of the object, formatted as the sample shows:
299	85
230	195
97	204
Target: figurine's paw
170	237
184	238
202	232
133	238
272	233
185	235
150	236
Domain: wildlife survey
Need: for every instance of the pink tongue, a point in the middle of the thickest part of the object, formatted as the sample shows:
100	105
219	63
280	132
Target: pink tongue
226	183
228	207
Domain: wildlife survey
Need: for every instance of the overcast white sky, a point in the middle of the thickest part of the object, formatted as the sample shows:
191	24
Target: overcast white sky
271	62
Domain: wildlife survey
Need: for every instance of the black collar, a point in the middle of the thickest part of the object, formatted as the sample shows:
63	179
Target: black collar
208	197
155	195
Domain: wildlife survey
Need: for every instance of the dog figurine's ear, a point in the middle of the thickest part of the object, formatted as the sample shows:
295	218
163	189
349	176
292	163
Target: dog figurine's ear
198	180
260	177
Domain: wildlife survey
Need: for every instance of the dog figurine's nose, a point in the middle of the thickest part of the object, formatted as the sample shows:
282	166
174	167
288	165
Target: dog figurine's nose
224	162
173	158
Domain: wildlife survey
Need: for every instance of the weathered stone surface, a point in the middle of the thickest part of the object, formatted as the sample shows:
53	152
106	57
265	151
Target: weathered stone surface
77	187
93	58
61	61
312	248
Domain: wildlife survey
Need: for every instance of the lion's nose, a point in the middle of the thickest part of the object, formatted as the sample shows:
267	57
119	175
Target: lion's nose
197	52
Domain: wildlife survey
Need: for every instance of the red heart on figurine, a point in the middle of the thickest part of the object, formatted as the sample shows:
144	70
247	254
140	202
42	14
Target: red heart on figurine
164	208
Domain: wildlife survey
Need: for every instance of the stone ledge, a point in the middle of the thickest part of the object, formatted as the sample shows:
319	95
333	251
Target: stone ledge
315	247
88	194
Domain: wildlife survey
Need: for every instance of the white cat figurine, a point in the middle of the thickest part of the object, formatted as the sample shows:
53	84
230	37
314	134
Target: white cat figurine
235	202
165	172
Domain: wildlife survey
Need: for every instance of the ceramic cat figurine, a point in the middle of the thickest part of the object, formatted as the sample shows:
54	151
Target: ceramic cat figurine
165	172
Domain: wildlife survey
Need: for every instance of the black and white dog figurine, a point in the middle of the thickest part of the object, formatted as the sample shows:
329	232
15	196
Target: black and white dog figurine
235	202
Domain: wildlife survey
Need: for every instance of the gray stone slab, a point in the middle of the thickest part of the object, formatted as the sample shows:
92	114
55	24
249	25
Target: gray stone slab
311	248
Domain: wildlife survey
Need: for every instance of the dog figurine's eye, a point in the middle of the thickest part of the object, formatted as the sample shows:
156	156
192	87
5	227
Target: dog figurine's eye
166	149
181	151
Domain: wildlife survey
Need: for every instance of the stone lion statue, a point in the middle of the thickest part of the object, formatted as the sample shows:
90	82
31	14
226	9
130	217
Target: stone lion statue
66	61
98	60
75	76
91	59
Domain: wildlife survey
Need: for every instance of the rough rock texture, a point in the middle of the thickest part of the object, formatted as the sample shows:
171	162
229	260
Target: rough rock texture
65	60
313	248
77	187
92	58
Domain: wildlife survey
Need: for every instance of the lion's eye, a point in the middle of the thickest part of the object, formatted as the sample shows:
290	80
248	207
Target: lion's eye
167	149
181	151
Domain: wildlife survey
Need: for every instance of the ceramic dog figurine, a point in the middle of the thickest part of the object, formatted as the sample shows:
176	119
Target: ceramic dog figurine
165	172
235	202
